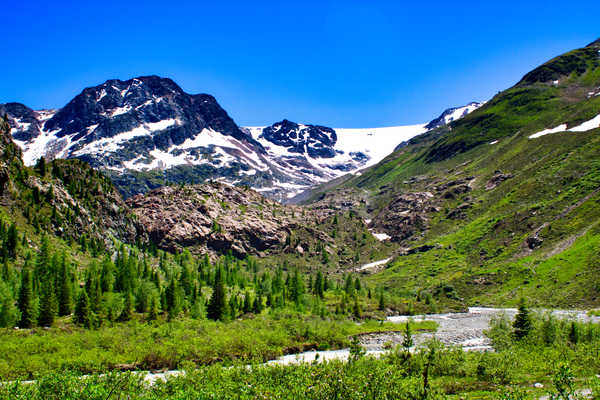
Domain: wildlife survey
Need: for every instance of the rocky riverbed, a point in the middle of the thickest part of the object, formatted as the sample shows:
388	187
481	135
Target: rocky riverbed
456	329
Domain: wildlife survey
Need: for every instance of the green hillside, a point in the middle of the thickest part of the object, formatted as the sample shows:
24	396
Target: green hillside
534	230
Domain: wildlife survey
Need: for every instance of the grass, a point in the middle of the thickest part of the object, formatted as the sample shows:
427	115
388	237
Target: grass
560	365
25	354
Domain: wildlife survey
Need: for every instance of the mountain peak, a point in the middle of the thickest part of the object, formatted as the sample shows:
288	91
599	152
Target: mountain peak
316	141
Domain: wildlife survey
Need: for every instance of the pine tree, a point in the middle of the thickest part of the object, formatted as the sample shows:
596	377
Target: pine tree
549	330
258	305
48	304
349	285
522	324
357	285
573	333
247	303
40	166
356	309
319	285
12	241
173	298
83	313
217	305
407	341
381	305
107	277
26	300
296	287
9	313
233	306
128	307
186	280
154	309
65	305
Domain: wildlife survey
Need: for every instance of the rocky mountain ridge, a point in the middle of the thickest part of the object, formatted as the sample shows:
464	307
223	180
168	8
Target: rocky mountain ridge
146	131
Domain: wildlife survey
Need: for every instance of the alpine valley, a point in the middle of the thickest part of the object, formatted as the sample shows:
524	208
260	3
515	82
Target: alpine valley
142	229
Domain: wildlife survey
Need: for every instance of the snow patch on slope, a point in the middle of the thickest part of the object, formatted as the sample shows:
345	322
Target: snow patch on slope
373	264
588	125
112	144
560	128
593	123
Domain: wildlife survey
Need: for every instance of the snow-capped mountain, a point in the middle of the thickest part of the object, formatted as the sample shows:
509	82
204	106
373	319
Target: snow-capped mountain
326	153
147	131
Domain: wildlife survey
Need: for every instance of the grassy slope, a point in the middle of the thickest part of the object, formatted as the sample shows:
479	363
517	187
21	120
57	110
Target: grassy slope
483	258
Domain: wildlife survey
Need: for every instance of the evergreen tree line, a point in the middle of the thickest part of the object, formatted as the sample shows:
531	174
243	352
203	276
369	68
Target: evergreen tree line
136	284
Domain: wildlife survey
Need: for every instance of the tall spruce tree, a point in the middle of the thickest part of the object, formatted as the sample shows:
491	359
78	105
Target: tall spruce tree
217	304
26	300
83	313
9	313
154	308
128	307
107	279
296	287
11	241
173	298
65	303
319	286
407	341
381	305
48	304
522	324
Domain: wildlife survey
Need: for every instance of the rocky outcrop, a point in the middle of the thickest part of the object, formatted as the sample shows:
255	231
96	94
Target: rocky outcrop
84	202
9	152
454	188
405	215
533	242
497	179
459	211
217	218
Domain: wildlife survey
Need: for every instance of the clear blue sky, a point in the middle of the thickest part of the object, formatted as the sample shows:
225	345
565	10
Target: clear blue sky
339	63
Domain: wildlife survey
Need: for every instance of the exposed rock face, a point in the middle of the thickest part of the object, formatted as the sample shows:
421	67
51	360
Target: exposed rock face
533	242
495	180
217	218
316	141
405	215
99	208
458	212
25	122
341	200
455	188
8	153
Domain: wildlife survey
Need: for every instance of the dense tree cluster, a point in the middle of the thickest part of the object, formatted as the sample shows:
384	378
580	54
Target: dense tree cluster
37	288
